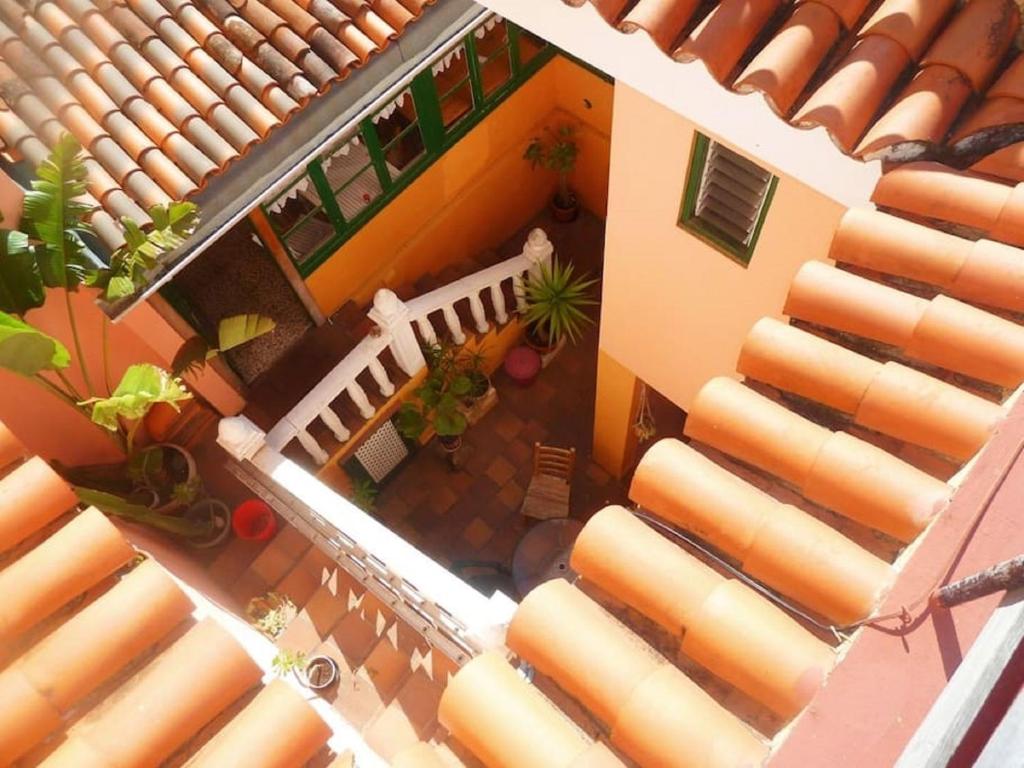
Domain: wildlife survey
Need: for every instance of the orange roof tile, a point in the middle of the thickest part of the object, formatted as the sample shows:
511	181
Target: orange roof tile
81	686
163	94
946	51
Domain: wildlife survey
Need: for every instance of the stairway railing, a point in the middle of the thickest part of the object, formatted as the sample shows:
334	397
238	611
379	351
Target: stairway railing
403	327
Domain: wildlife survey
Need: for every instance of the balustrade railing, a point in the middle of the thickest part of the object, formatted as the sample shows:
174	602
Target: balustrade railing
455	618
402	328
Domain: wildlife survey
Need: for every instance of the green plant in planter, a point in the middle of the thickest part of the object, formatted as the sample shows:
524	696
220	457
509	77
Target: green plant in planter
48	251
474	363
555	300
364	495
288	661
437	398
556	151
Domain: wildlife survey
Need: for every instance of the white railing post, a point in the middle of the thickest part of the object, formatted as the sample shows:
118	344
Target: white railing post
240	437
392	316
498	300
358	395
330	418
312	447
380	375
426	329
451	317
476	307
538	250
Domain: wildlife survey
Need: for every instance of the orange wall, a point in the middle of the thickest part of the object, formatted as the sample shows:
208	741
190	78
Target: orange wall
675	310
479	193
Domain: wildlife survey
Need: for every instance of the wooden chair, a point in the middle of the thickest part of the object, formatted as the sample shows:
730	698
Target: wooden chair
548	494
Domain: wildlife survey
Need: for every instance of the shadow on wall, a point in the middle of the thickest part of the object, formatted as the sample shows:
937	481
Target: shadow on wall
479	193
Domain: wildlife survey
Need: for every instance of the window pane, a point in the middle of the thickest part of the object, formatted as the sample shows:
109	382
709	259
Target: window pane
399	133
529	45
351	176
299	219
451	78
493	55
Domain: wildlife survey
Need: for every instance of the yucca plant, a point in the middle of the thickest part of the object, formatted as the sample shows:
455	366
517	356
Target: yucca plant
555	300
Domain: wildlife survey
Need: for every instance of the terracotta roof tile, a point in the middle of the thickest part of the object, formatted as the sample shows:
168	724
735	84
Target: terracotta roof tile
899	70
566	636
846	103
90	671
163	95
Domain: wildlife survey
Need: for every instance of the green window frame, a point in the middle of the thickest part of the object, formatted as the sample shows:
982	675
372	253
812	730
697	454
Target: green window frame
321	204
726	199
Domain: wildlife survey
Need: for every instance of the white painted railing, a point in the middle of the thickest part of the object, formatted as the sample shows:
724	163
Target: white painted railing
403	327
454	618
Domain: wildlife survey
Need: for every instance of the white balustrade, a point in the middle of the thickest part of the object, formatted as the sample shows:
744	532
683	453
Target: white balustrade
498	300
358	395
398	322
451	319
476	308
330	418
380	375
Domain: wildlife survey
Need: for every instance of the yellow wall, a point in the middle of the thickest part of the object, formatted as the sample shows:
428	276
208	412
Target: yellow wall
477	194
675	310
615	410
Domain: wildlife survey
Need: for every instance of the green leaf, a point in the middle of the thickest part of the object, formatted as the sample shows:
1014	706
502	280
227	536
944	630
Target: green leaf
172	224
112	504
239	329
143	465
28	351
55	214
142	386
21	284
555	301
410	421
449	423
460	385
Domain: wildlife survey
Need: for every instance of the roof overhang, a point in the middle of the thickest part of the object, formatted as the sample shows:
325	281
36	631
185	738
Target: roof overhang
272	165
743	121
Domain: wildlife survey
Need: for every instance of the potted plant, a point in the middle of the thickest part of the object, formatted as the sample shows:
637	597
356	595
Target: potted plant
48	251
316	672
555	300
557	151
271	614
437	400
479	381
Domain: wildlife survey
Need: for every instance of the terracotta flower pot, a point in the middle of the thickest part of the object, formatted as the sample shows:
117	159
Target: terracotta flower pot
565	212
321	672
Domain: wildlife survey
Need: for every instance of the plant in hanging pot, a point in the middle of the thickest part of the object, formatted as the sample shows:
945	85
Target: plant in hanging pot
437	400
557	151
555	302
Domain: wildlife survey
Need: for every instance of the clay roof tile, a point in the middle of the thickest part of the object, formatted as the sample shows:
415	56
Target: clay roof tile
723	36
784	67
663	20
911	23
848	11
977	39
846	103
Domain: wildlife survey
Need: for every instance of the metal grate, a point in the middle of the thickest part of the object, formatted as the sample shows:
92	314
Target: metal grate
382	452
732	193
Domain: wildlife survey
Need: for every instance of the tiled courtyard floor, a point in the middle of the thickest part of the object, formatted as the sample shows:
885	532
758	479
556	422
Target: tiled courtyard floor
473	513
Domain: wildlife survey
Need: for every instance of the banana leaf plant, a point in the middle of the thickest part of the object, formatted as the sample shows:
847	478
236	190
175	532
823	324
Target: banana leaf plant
48	254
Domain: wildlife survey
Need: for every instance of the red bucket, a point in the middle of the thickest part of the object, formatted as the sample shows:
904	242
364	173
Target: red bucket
254	520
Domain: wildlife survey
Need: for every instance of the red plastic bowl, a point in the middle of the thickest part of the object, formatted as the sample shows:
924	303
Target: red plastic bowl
254	520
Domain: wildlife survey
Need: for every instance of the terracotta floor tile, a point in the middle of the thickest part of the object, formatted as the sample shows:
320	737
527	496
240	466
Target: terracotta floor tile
387	666
318	563
357	699
391	732
441	499
534	432
246	587
597	474
508	426
273	563
234	559
511	495
300	635
330	648
519	452
419	698
494	513
501	470
355	636
477	533
291	539
299	585
327	605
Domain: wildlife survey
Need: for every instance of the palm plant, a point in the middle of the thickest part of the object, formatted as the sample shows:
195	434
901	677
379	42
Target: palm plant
555	301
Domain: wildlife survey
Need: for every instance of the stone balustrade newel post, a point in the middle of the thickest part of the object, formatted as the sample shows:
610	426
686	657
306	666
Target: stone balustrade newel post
392	316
